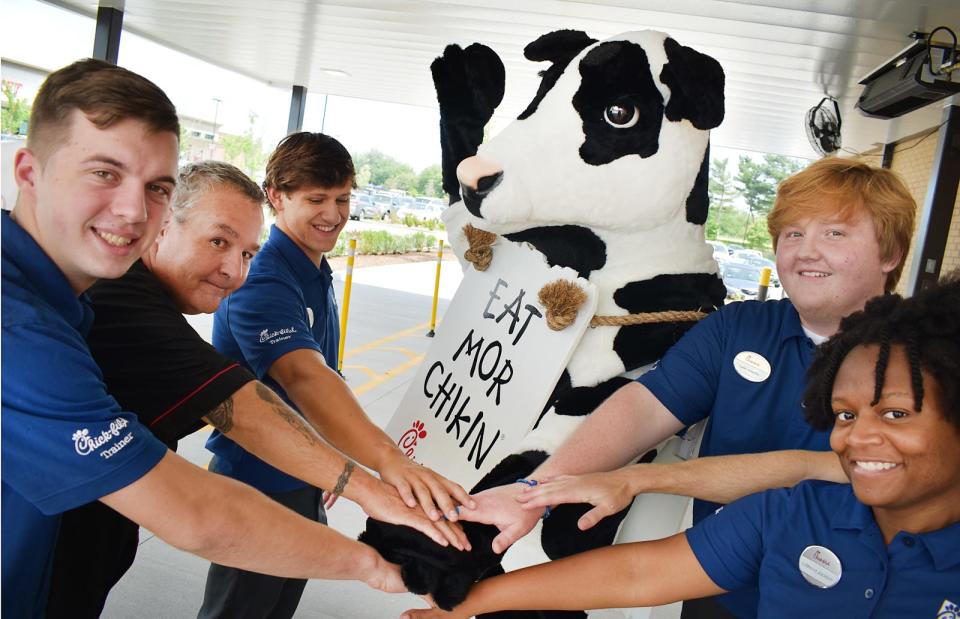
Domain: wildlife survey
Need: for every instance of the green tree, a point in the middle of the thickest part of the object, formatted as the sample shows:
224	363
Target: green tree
16	112
757	236
758	185
722	193
385	170
430	182
363	175
759	179
246	151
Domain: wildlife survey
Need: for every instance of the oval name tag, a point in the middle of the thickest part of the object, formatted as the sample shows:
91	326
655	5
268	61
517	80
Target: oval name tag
820	567
752	366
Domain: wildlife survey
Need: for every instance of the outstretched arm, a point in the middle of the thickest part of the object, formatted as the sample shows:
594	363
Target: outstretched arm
331	407
260	422
626	575
628	423
720	479
232	524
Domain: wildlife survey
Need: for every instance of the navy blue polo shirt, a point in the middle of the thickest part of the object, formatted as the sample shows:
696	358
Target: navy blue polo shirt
286	304
752	407
759	540
65	441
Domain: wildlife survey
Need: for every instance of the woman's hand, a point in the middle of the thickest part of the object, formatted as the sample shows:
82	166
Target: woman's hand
608	492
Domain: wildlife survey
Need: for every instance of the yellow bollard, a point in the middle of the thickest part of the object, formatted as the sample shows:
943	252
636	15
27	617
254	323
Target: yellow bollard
764	284
436	292
351	253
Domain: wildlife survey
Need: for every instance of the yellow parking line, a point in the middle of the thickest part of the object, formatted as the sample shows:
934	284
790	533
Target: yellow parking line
403	351
391	373
362	368
389	338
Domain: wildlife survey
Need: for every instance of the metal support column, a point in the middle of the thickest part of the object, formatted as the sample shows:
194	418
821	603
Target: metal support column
106	42
938	205
298	102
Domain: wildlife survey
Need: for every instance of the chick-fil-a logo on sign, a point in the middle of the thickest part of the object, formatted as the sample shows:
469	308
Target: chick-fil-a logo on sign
408	441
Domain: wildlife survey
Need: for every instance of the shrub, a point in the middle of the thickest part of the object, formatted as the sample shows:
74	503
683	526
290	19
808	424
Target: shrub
381	242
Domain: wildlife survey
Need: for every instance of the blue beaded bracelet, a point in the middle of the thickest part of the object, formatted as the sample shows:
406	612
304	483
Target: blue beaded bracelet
532	483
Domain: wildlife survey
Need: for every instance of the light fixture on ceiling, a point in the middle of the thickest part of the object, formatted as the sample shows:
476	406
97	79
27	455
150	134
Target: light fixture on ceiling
822	124
333	72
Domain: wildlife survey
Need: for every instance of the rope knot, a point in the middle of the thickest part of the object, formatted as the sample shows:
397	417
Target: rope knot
480	252
562	299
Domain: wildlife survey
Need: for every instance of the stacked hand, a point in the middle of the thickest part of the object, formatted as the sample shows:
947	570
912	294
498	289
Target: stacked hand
608	492
500	507
386	504
420	485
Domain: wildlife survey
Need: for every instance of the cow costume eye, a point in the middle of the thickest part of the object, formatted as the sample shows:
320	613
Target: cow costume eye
621	115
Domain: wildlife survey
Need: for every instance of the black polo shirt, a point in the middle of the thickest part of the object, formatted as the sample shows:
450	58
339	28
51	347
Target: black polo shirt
157	366
154	363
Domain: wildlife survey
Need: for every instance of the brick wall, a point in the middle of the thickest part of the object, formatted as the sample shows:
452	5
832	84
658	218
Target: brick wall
913	161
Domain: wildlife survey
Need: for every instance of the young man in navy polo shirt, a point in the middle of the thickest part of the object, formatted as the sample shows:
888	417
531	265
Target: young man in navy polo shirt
283	326
840	229
94	188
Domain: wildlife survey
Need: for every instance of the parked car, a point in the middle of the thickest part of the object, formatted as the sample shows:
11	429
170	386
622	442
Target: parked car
384	203
741	279
720	252
362	206
421	211
750	256
747	253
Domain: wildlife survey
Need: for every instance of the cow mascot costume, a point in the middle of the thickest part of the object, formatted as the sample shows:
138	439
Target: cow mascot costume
604	172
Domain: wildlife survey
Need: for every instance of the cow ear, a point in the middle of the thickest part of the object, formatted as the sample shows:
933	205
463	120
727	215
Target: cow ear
696	86
558	47
470	84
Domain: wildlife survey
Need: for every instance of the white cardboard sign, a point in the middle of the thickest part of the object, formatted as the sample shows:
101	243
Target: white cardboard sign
491	367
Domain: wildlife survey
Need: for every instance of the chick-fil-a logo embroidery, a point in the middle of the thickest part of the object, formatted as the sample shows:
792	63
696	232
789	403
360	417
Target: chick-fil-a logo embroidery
948	610
86	444
409	439
275	336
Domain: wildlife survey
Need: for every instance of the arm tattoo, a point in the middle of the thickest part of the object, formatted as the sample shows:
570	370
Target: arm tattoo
344	477
287	414
221	416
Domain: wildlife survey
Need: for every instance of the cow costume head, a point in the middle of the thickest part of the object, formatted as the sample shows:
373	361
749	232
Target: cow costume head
604	172
611	121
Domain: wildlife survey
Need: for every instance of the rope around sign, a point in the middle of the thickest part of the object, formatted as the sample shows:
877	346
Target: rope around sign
562	298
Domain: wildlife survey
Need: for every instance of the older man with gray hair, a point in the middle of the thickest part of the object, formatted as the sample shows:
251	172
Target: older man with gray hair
156	365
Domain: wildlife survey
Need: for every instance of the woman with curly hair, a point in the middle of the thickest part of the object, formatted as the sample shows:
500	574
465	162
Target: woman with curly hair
885	545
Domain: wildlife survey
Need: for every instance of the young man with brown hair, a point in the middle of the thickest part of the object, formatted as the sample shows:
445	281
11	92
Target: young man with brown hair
283	326
94	189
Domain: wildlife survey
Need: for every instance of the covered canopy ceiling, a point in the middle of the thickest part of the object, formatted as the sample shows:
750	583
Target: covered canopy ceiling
780	56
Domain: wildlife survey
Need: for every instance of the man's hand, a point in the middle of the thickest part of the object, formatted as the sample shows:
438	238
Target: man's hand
385	576
384	503
499	506
329	499
420	485
607	492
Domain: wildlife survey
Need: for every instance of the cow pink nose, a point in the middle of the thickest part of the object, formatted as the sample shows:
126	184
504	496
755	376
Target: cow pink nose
473	170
